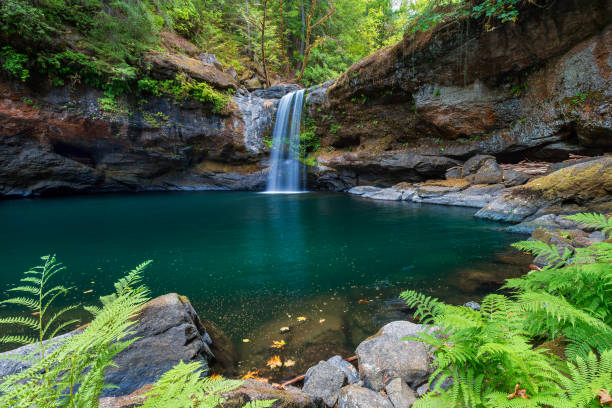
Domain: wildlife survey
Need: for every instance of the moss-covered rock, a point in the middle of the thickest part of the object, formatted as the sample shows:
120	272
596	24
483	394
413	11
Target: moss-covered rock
581	187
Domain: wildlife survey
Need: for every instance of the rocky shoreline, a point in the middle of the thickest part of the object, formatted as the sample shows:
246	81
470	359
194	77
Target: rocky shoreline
509	195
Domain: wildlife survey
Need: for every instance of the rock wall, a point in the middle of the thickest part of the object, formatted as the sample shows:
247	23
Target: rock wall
539	88
60	141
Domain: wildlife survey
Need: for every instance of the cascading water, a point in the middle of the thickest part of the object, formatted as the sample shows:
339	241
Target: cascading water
287	174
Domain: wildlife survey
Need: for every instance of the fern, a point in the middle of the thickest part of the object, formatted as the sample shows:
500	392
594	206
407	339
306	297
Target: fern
185	387
37	299
426	307
593	220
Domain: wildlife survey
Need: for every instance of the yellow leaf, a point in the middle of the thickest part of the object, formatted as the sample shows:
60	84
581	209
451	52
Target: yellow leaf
289	363
301	318
274	362
251	374
278	344
245	340
321	320
215	376
88	291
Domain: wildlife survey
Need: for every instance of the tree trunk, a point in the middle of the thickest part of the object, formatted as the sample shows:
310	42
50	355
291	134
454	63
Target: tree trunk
263	42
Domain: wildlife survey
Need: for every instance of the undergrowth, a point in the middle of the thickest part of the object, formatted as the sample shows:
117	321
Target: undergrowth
491	354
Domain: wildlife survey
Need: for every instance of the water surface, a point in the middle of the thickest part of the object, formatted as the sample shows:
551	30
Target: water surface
252	262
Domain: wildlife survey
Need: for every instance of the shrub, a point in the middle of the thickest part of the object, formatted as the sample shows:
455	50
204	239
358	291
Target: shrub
14	63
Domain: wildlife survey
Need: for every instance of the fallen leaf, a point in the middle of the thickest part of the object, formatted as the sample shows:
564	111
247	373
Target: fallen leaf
284	329
604	398
215	376
250	374
518	392
289	363
278	344
363	301
88	291
245	340
35	313
274	362
301	318
321	320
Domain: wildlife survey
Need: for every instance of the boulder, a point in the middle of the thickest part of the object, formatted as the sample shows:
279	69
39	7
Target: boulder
400	394
166	66
514	178
586	186
276	91
351	373
210	60
386	356
453	173
168	331
323	383
253	390
353	396
482	169
473	164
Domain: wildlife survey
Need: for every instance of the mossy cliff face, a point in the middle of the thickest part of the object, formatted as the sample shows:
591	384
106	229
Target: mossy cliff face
538	88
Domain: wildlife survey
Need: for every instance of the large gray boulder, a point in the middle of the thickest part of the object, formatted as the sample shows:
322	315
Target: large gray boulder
482	169
386	356
168	331
323	383
353	396
400	394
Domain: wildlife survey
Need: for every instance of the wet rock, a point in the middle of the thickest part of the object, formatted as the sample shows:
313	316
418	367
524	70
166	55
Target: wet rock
252	390
422	390
514	178
253	84
548	221
388	194
326	178
276	91
400	394
222	348
323	383
361	190
351	373
472	305
353	396
597	236
132	400
385	356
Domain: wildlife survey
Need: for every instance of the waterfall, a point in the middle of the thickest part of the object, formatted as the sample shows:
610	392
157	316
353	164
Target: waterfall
287	174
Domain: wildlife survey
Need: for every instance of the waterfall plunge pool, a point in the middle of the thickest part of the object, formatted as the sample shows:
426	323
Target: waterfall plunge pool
253	263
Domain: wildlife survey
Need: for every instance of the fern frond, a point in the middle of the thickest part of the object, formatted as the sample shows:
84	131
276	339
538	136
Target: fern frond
20	321
593	220
23	340
426	307
22	301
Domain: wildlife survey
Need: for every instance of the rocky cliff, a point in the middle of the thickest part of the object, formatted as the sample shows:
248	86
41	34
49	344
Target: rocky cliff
537	88
64	140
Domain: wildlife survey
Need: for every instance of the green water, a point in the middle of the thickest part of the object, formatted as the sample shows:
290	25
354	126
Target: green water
253	262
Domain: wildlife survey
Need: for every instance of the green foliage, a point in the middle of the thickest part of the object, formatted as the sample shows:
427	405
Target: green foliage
14	63
310	142
69	372
184	387
38	299
183	88
592	220
488	352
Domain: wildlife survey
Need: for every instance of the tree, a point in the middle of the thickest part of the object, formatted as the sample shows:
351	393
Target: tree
308	46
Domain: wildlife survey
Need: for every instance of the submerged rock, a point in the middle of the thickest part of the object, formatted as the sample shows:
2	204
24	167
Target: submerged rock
386	356
353	396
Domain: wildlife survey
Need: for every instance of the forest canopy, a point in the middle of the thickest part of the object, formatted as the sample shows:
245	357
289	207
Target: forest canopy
103	42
